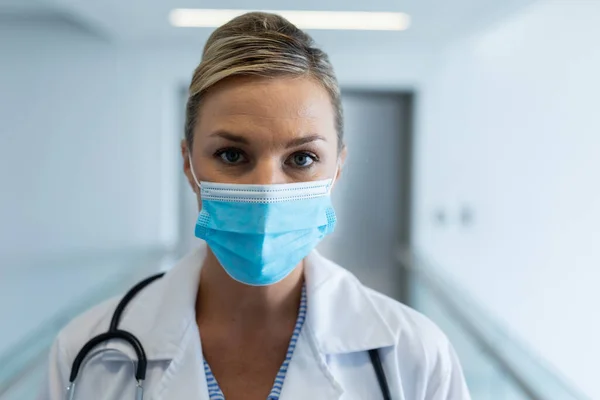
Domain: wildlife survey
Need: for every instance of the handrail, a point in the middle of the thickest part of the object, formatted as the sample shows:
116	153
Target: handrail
25	355
472	328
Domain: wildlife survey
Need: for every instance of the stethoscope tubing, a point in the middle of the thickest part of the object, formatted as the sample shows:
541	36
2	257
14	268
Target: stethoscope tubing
114	333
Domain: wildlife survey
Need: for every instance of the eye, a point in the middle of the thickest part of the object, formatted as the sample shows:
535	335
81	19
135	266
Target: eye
231	156
302	159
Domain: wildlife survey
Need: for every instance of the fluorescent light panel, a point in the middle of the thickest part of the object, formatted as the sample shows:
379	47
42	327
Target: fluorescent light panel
339	20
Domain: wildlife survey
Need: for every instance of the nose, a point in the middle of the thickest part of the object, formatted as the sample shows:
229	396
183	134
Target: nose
267	171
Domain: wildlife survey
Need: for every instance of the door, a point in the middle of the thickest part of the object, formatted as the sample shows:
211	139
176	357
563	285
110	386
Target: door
372	198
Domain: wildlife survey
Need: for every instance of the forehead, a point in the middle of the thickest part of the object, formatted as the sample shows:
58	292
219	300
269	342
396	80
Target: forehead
279	103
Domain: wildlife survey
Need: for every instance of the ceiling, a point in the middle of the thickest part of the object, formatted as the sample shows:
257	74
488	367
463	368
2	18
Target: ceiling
146	20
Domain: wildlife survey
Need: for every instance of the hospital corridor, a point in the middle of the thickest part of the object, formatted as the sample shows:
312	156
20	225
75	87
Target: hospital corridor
353	200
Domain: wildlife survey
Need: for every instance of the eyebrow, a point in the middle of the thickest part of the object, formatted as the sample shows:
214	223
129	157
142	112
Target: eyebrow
293	143
230	136
304	140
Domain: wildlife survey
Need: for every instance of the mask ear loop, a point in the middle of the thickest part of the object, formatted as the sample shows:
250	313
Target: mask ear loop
332	181
194	174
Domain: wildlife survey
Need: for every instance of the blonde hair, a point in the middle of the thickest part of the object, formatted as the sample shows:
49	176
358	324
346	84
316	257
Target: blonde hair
263	45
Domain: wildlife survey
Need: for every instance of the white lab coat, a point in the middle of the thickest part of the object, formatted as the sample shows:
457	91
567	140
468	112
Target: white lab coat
344	320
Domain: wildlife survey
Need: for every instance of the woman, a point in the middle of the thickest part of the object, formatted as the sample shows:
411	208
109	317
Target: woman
256	314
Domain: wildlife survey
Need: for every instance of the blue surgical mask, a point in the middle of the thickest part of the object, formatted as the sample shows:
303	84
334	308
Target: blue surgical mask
260	233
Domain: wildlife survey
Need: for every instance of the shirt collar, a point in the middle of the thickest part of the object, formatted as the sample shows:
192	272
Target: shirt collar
341	314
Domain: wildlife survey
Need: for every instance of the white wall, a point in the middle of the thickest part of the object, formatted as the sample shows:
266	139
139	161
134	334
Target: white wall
509	126
80	169
78	166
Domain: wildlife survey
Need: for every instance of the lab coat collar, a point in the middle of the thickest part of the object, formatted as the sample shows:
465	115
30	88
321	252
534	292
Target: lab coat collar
341	316
340	312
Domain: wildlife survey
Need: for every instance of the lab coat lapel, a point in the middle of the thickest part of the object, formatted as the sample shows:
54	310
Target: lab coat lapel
341	318
185	377
308	376
340	311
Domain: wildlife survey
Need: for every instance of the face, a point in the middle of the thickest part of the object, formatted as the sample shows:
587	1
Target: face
264	131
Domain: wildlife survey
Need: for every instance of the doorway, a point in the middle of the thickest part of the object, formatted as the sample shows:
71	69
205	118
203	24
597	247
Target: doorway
372	197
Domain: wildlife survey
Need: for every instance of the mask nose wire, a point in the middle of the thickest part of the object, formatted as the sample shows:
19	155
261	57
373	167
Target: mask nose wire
330	186
192	169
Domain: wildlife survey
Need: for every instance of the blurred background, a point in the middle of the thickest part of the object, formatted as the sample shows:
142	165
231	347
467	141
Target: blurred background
471	191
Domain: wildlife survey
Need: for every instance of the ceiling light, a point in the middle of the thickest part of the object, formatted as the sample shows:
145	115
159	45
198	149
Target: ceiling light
341	20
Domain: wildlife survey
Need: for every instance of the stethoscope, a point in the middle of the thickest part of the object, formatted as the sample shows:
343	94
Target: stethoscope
140	372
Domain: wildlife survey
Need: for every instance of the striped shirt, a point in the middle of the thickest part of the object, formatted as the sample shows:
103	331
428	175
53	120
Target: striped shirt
214	391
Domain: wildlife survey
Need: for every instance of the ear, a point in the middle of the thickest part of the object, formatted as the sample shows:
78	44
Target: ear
187	167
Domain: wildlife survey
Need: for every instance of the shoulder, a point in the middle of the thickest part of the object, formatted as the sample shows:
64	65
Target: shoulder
85	326
408	339
341	287
69	342
409	324
136	317
417	355
335	288
422	351
376	319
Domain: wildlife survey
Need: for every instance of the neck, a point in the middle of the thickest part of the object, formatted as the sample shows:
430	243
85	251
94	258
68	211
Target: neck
223	300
